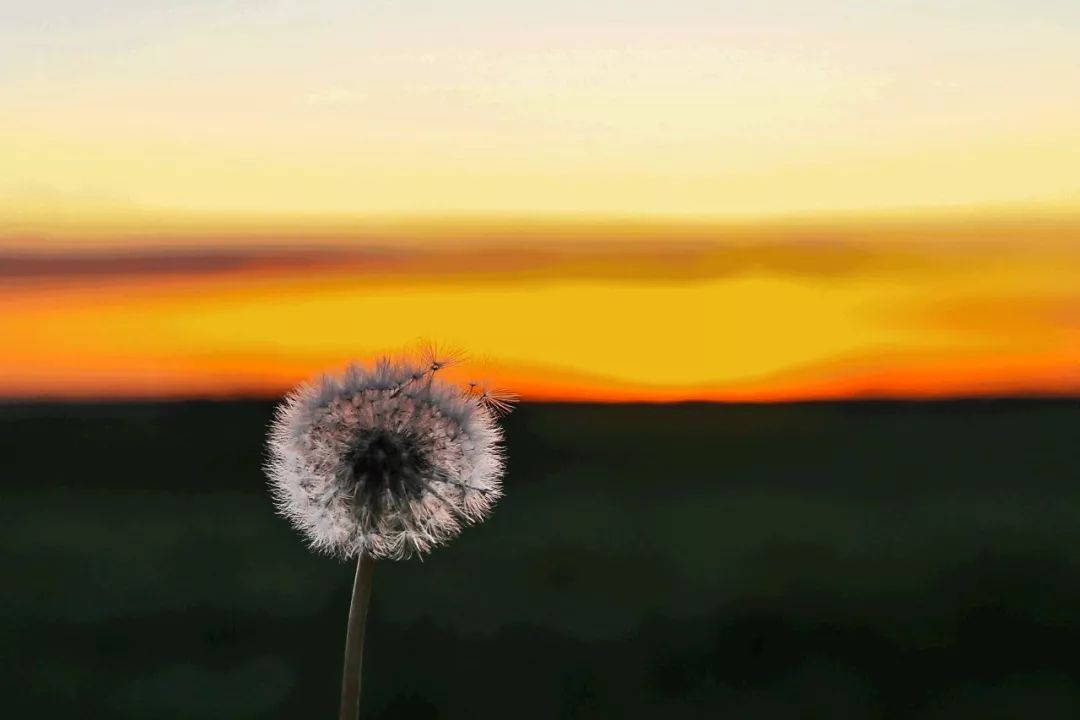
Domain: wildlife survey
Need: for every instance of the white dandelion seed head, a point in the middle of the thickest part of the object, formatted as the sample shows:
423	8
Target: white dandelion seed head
387	460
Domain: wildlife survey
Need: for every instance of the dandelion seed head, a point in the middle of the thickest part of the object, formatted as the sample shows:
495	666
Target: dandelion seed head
386	460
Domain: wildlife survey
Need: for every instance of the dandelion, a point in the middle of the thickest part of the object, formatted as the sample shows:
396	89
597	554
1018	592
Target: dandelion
385	461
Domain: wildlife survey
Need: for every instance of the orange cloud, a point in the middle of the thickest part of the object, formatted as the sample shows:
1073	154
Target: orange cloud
572	311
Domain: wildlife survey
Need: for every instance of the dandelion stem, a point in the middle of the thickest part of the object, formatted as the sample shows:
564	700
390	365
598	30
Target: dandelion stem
354	638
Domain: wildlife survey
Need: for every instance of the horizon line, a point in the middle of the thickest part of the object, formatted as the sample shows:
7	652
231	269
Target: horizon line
825	399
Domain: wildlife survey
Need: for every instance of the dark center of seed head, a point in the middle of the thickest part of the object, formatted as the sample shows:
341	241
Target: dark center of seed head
388	461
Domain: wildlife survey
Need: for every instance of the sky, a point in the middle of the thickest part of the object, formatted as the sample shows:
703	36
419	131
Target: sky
614	201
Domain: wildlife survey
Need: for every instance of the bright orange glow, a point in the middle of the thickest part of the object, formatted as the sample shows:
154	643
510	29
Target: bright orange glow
585	311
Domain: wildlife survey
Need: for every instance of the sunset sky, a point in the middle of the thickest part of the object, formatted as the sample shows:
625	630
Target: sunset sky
614	201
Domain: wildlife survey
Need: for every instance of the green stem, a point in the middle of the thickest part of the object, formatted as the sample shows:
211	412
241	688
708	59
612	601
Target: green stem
354	639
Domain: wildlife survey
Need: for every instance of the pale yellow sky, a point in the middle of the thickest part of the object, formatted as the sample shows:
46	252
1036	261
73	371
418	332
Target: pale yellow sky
682	108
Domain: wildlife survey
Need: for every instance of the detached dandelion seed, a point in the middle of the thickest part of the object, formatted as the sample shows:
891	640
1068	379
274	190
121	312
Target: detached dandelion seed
387	461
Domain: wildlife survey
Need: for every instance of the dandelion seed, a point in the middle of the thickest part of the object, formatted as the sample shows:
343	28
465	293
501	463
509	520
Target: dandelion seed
434	357
498	401
385	461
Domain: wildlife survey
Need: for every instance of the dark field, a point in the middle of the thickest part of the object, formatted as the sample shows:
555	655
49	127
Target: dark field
800	561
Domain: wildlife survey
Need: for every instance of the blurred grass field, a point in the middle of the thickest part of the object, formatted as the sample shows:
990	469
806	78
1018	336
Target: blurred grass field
862	560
